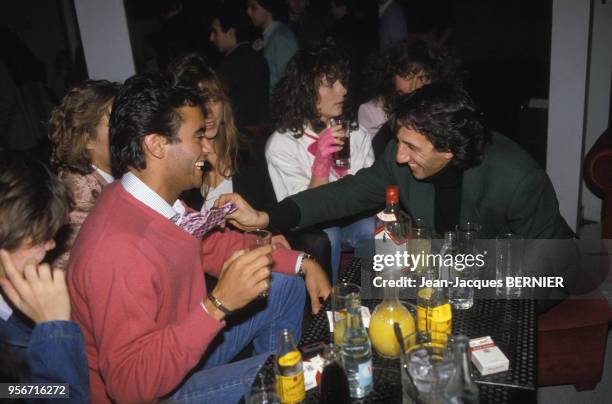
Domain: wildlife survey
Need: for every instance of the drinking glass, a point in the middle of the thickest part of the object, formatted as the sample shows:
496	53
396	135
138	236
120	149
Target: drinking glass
254	239
342	295
342	158
426	369
260	387
420	244
508	262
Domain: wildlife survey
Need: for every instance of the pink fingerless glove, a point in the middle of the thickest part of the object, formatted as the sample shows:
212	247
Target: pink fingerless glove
325	147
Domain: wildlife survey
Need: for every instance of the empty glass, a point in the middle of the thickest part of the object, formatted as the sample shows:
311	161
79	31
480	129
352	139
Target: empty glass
508	263
254	239
260	387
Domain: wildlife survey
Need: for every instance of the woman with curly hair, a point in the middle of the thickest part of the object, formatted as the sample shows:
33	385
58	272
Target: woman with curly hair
402	69
78	130
236	163
308	97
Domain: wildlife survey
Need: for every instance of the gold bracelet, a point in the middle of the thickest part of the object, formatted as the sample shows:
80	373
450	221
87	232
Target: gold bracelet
218	304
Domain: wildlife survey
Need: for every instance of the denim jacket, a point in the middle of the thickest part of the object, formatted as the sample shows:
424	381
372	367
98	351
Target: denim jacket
54	352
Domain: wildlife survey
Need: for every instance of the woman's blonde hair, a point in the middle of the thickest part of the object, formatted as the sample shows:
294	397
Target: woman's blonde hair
73	124
193	71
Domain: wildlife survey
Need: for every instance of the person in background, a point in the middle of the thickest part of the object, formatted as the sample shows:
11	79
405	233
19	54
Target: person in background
279	42
78	130
392	26
299	153
244	71
35	326
136	272
408	66
237	163
308	29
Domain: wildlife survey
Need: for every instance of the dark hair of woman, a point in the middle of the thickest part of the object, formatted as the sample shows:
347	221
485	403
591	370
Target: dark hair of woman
447	116
294	99
405	59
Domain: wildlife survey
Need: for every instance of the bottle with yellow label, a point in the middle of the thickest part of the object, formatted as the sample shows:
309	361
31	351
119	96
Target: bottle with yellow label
434	314
290	373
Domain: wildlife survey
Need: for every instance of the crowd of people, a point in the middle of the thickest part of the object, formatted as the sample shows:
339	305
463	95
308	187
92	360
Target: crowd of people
141	304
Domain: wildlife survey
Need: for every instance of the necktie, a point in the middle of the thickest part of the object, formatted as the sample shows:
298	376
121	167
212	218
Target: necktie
199	223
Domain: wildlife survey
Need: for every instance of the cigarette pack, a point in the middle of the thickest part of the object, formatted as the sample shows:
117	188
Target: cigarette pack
487	357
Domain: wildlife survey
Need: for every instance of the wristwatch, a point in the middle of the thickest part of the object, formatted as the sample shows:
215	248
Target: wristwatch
305	256
218	304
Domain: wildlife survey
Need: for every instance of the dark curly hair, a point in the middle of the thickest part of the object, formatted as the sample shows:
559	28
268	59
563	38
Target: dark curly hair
147	103
407	58
294	100
73	124
447	116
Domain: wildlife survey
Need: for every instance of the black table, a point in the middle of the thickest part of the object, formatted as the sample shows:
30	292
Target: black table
511	324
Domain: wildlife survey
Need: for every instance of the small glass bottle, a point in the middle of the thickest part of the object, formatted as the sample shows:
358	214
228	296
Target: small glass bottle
393	224
289	370
390	311
334	386
357	352
461	389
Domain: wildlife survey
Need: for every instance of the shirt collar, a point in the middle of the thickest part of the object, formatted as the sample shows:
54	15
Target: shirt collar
383	7
107	177
5	309
267	33
141	191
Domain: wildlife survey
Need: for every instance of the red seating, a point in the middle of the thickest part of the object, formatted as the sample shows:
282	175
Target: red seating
572	336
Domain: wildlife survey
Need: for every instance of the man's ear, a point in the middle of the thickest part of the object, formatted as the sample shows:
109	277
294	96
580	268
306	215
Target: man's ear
448	155
155	145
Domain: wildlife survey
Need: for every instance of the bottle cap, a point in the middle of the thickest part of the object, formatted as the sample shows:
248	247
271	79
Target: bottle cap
392	194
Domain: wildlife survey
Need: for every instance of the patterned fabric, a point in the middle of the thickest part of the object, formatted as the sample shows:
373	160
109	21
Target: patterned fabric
199	223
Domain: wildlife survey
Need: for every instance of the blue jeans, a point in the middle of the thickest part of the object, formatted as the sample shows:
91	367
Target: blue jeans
353	234
216	380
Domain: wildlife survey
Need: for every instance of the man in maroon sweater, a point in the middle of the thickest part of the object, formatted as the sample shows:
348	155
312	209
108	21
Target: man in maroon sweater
136	277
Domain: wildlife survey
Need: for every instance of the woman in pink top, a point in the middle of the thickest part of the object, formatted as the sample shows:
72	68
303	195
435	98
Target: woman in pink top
78	130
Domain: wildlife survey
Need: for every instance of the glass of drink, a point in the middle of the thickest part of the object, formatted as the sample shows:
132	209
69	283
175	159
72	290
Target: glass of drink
260	387
426	368
467	234
342	294
508	262
420	244
342	158
254	239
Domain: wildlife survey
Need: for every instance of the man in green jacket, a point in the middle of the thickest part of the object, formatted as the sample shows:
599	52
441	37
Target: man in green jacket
449	169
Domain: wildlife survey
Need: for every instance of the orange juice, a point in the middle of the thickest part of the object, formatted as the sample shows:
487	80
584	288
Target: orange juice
381	330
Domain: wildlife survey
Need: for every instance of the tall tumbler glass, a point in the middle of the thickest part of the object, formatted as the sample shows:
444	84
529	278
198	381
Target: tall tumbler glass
342	158
254	239
508	263
342	295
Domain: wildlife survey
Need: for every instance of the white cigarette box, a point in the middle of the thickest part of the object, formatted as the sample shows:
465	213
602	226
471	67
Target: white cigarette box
487	357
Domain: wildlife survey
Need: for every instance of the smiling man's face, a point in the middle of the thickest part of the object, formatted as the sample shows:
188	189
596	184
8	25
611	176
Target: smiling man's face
415	150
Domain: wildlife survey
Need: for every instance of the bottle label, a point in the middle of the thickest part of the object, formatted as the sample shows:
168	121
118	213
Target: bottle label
364	378
291	389
290	359
387	217
437	320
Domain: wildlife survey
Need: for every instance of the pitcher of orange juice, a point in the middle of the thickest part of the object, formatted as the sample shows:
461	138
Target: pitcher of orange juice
390	311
